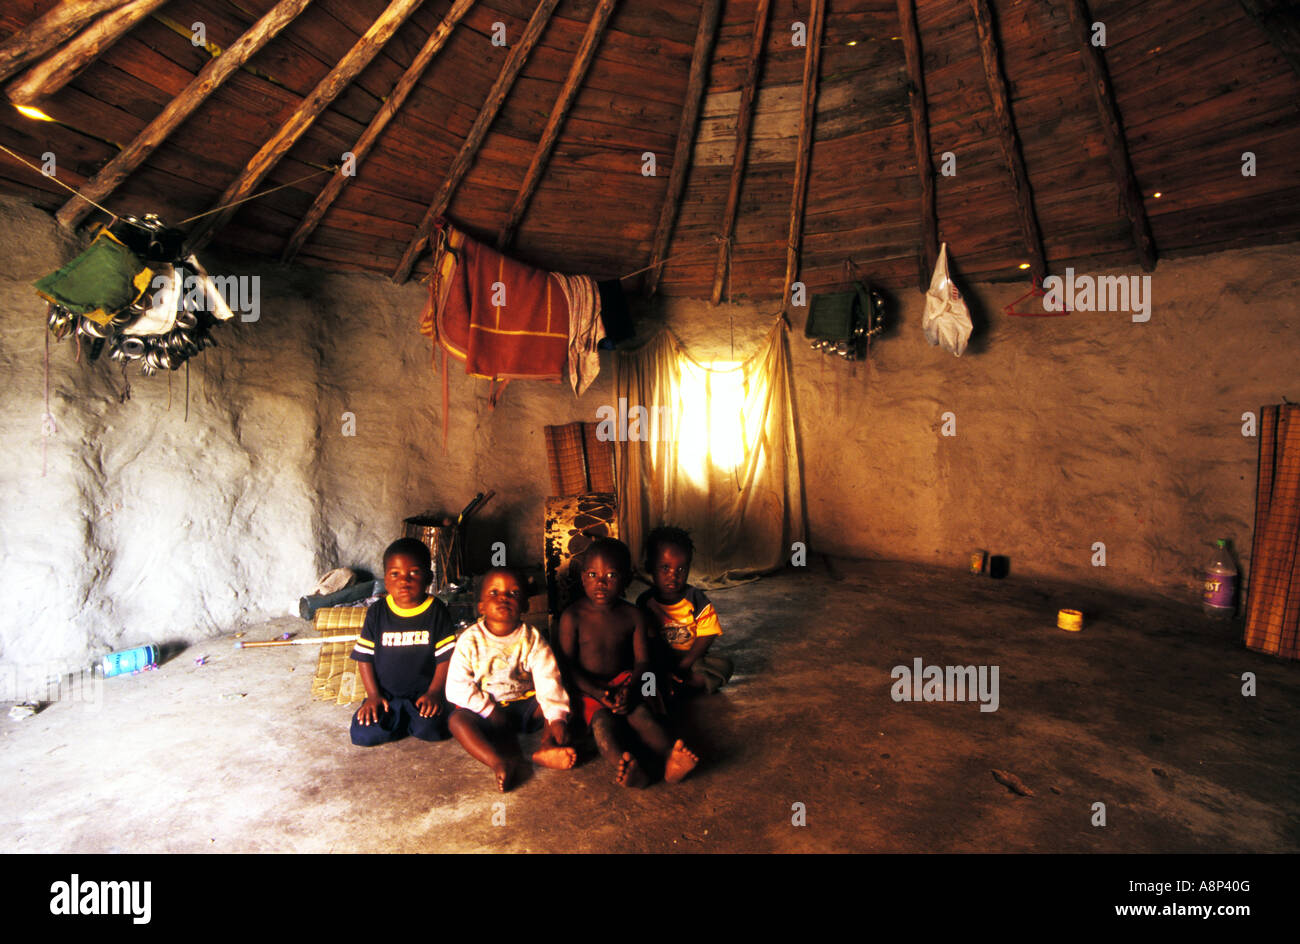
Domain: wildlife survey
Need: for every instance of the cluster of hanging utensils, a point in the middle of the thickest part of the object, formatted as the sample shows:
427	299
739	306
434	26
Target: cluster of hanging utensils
868	321
172	319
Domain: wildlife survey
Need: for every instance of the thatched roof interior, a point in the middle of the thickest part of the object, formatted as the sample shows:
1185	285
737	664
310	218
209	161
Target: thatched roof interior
1196	84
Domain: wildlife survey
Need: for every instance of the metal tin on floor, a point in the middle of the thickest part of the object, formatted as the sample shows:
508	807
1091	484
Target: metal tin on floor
446	548
1069	620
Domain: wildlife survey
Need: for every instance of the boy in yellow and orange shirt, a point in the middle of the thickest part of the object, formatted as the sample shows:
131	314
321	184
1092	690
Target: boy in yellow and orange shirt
685	619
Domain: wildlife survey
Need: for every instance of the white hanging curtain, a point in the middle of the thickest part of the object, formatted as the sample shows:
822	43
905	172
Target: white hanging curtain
711	448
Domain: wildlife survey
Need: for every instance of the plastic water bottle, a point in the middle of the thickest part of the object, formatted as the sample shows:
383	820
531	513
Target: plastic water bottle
1219	597
129	661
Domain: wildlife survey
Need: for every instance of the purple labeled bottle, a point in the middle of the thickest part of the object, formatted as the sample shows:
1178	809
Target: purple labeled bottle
1219	596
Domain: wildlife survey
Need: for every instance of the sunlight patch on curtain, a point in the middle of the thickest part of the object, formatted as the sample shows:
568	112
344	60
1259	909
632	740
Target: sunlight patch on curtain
726	464
712	405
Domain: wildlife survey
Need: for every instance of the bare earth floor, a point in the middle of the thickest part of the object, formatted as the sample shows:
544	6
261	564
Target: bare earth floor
1142	712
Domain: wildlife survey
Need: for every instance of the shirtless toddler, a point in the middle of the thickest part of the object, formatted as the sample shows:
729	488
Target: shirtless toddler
605	642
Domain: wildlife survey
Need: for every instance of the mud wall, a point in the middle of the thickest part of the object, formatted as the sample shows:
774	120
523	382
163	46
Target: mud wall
314	430
1069	431
128	522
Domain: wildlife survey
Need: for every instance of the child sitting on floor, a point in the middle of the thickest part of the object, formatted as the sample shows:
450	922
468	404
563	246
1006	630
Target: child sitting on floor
402	654
606	645
503	680
682	614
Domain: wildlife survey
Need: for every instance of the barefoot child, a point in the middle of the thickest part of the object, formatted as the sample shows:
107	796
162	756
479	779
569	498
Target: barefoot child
682	614
402	654
604	640
504	680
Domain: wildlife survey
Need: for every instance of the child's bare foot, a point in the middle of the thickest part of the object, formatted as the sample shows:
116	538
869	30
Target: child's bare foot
630	773
505	774
680	763
556	758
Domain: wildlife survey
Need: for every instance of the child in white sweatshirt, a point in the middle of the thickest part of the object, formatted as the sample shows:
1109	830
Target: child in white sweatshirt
503	679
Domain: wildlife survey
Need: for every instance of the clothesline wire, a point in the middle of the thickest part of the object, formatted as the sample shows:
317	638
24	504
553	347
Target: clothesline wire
713	242
74	190
254	196
217	209
329	170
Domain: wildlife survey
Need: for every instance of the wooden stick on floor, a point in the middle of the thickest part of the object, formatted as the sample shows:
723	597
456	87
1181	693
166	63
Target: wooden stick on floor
303	641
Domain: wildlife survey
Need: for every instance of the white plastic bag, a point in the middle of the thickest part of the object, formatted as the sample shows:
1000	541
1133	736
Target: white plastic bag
336	580
946	321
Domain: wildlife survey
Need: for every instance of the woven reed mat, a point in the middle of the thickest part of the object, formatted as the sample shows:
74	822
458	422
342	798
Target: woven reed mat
336	678
1273	611
579	461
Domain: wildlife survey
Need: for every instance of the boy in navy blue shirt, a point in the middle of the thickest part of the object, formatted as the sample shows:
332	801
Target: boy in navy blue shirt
402	654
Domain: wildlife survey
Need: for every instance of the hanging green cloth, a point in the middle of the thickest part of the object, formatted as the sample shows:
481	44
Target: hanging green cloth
100	282
833	317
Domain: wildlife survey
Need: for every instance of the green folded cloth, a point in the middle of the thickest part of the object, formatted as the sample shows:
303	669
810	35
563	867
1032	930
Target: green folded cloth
100	282
832	316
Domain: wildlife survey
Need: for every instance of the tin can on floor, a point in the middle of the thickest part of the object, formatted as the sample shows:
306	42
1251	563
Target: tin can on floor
446	548
129	661
1069	620
978	561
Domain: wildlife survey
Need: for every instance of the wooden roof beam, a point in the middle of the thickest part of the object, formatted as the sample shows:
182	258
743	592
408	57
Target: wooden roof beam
807	118
474	140
705	34
1130	197
405	85
45	78
209	79
1280	21
263	162
47	31
560	111
920	138
744	122
1008	138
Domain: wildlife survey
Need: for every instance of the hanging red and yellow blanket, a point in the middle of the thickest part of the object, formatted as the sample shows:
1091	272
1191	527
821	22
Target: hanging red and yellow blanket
504	319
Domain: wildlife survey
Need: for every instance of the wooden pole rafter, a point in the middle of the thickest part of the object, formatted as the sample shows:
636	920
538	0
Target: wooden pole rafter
209	79
920	138
705	34
1130	196
744	123
1280	21
551	133
47	77
803	157
514	63
47	31
401	91
263	162
1008	139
